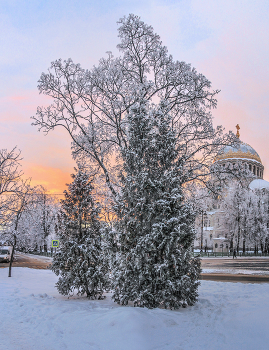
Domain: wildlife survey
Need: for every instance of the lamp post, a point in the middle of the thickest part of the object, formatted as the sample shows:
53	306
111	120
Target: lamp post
202	230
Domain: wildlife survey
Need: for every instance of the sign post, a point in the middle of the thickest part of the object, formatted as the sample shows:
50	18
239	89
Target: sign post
55	244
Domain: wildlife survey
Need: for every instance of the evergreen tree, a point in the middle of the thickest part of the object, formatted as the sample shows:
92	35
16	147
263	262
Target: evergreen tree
79	261
154	266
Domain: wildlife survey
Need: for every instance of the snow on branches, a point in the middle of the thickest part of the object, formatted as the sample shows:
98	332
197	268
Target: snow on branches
155	230
93	105
79	261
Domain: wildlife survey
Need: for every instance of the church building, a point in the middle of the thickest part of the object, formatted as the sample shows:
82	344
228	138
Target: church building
210	235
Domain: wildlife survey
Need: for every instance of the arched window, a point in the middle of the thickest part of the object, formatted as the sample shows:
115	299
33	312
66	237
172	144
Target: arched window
254	170
250	167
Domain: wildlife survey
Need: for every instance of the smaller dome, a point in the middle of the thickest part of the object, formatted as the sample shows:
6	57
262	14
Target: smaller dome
240	151
259	184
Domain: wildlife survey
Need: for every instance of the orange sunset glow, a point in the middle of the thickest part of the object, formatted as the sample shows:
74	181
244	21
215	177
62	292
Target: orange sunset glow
54	180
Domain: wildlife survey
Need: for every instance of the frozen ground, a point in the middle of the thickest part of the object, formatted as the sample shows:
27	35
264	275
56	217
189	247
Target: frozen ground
35	317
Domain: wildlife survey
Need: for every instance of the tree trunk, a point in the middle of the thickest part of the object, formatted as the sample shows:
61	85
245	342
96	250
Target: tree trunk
238	238
11	261
231	245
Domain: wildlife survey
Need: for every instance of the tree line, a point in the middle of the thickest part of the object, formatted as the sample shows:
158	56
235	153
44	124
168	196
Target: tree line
28	215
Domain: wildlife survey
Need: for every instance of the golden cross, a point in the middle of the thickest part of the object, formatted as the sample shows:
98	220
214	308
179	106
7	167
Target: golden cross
237	127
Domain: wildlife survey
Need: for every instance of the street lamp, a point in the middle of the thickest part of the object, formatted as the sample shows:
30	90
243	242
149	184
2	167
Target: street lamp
202	230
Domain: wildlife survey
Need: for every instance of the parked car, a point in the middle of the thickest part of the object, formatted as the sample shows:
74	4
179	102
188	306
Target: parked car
5	254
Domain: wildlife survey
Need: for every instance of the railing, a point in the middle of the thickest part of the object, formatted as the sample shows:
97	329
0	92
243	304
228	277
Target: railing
228	254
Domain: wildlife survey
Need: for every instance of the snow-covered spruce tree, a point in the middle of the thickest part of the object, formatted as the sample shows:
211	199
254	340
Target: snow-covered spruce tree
79	261
156	227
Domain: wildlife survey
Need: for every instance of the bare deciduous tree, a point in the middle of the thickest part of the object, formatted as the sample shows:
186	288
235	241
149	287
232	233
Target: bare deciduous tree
21	201
10	174
93	105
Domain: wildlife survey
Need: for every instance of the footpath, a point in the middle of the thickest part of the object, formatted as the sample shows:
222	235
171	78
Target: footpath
241	269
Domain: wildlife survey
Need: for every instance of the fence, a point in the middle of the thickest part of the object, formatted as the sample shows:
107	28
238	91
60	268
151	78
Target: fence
228	254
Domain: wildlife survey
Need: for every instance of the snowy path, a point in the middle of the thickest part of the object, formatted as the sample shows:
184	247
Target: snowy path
35	316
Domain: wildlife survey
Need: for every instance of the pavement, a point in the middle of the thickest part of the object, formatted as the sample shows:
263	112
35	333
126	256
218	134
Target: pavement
241	269
28	260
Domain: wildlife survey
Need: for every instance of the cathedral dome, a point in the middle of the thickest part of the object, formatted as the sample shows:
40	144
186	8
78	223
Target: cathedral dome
240	151
243	153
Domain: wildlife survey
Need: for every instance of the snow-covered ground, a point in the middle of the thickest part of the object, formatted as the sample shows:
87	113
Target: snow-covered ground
34	316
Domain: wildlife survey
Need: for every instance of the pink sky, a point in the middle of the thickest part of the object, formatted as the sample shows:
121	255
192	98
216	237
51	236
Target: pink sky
227	41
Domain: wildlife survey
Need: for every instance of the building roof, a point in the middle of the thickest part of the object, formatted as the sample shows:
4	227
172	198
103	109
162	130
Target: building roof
239	151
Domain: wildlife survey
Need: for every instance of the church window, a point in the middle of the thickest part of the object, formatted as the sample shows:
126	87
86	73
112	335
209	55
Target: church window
216	245
254	170
250	167
210	236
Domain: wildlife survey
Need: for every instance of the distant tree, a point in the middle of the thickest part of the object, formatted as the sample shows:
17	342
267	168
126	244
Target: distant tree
15	234
245	216
79	262
258	220
10	175
44	216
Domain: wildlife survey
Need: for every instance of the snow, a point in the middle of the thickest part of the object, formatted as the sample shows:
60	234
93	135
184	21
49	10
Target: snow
209	228
35	316
259	184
